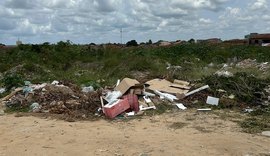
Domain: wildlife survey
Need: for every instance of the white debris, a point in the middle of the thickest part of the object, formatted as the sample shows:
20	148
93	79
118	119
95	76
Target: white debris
2	90
55	82
167	96
88	89
224	73
35	107
181	106
204	109
112	96
197	90
118	82
266	133
212	100
147	99
147	108
148	94
131	113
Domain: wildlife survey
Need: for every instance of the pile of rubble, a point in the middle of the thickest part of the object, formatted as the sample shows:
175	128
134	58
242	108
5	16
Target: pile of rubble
55	98
249	63
129	97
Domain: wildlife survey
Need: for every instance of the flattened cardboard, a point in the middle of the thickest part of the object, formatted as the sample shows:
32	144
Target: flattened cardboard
164	86
180	82
126	84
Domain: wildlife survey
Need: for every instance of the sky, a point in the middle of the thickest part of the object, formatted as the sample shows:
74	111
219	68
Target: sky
100	21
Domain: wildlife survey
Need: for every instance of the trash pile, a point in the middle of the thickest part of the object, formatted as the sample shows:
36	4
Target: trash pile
129	97
55	98
249	63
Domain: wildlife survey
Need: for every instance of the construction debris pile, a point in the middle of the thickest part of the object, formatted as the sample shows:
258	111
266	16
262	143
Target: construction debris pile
129	97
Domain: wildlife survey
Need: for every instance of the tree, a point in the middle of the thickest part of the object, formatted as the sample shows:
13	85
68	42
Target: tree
191	41
132	43
149	42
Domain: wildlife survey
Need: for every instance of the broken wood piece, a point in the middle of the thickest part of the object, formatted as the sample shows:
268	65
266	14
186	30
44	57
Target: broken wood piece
11	94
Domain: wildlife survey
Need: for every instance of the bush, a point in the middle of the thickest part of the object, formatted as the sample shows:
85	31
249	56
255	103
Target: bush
131	43
12	80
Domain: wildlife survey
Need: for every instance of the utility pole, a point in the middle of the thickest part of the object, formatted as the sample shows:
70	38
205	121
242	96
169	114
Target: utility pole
121	35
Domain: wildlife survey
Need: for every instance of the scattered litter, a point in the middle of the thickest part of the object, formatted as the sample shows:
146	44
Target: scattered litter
231	96
35	107
55	82
204	109
224	73
27	83
130	113
248	110
181	106
266	133
221	91
111	96
2	90
88	89
147	108
212	100
118	82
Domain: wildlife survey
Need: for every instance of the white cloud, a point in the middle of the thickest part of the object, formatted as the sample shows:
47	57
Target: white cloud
101	20
259	4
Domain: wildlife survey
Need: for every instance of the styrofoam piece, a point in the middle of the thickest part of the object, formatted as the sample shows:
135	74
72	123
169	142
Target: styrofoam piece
130	113
147	108
212	100
181	106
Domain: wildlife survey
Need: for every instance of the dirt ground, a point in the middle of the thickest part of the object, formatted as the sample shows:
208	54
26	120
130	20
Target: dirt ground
179	133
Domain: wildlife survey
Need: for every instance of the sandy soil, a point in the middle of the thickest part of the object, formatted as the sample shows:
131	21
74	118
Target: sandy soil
180	133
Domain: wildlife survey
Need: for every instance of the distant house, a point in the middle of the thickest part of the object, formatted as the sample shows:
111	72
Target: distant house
258	39
210	40
164	43
236	41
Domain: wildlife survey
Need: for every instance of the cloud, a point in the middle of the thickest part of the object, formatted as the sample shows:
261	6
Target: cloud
20	4
99	21
259	4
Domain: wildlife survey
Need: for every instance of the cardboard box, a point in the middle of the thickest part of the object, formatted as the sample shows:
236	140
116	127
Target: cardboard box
126	84
120	106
